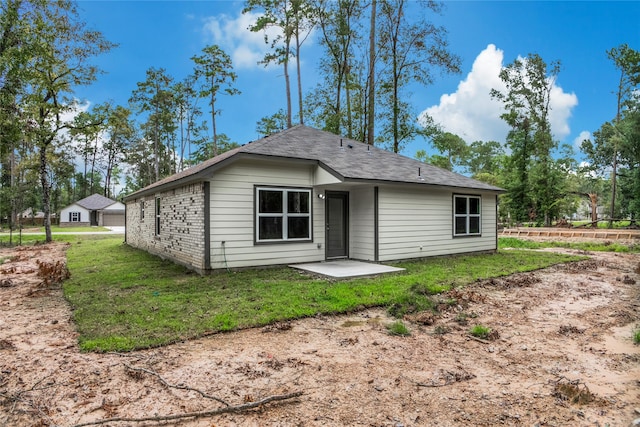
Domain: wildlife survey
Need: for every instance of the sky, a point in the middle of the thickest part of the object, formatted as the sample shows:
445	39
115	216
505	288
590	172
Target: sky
486	35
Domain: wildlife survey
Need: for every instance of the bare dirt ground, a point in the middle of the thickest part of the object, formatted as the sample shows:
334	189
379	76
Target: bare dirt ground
561	354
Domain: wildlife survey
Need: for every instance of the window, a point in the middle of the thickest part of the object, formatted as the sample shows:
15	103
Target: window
466	216
142	209
283	214
157	216
74	216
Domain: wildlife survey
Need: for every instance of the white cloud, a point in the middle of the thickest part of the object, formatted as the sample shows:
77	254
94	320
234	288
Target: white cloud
577	142
245	47
471	113
561	104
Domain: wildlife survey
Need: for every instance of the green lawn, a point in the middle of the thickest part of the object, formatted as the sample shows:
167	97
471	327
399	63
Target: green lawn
56	229
35	239
604	246
125	299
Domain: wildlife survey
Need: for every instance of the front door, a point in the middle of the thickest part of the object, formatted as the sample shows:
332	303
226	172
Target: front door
93	218
337	226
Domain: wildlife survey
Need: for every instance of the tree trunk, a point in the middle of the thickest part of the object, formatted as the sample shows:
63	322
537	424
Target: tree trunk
45	193
396	143
372	78
213	115
300	109
156	164
614	170
614	173
593	197
93	165
288	88
396	83
347	97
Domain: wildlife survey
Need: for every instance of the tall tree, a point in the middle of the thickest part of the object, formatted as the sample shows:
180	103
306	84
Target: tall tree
627	61
278	14
215	69
371	82
87	130
186	99
411	49
527	98
303	23
60	53
120	132
154	97
453	147
338	25
484	158
13	64
271	124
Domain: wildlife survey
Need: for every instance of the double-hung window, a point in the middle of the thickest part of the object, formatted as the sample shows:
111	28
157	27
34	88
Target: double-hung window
157	216
283	214
74	216
466	215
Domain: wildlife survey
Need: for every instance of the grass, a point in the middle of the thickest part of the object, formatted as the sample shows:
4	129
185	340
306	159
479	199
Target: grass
636	336
480	331
38	239
125	299
398	328
603	223
606	246
57	229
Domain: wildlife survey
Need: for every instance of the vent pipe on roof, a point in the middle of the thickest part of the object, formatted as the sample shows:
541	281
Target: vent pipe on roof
341	147
420	177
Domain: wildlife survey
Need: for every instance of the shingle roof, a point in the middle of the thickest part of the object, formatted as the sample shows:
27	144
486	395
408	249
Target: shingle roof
350	160
95	202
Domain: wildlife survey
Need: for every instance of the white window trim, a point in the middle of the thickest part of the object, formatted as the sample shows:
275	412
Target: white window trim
467	216
76	216
157	216
284	215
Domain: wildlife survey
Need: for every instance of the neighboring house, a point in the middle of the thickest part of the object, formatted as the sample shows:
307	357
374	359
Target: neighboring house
93	210
305	195
31	217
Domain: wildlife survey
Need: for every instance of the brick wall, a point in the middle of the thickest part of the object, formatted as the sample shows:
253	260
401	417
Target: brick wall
181	237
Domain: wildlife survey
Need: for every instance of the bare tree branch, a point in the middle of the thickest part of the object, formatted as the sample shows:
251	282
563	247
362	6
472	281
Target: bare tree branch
224	410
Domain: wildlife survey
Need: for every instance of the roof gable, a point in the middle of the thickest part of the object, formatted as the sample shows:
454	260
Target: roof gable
95	202
347	159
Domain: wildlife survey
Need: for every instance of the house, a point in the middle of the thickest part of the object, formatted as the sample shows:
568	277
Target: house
31	217
305	195
93	210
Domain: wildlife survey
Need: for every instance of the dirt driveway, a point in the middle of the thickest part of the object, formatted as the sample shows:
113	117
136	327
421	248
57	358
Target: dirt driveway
561	354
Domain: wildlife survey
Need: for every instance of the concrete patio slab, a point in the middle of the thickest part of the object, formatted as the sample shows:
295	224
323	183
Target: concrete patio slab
343	269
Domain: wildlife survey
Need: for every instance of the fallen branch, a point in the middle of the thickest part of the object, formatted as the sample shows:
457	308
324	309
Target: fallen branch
479	339
443	378
17	397
225	410
176	386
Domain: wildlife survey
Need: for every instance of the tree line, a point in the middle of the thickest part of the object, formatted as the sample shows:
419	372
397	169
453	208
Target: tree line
372	52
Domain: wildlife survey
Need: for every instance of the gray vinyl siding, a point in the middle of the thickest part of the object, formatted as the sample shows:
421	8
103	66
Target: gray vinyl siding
232	216
419	223
361	224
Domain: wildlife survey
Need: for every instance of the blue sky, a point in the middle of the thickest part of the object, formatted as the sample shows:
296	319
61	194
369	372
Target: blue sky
485	34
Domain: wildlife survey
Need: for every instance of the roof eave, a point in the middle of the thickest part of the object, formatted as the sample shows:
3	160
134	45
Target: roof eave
430	184
206	172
